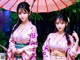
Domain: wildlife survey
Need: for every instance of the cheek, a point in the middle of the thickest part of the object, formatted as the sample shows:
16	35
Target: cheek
57	26
26	15
63	25
19	16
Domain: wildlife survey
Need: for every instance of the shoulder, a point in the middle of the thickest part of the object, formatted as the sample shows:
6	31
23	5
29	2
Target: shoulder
33	29
14	26
32	26
51	34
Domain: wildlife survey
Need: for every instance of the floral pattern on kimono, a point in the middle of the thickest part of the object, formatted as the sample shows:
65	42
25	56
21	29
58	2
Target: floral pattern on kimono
28	35
51	45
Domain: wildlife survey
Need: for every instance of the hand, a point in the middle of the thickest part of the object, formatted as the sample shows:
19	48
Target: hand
19	51
75	35
14	50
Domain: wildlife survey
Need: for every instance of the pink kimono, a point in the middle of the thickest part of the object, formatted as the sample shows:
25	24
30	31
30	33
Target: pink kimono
27	36
58	50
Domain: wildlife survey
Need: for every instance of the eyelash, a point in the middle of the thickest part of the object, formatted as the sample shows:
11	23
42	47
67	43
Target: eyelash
23	13
61	23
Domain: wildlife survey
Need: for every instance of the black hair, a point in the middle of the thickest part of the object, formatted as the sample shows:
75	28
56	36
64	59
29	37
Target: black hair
25	6
62	16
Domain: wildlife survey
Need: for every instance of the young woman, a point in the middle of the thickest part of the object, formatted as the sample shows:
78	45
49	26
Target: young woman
60	45
23	40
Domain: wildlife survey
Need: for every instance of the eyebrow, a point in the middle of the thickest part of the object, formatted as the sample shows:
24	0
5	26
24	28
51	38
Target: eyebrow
22	11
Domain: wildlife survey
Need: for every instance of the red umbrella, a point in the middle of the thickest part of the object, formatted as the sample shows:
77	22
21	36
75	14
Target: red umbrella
39	5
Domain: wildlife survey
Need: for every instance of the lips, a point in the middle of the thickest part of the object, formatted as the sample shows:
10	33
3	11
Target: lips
22	18
59	28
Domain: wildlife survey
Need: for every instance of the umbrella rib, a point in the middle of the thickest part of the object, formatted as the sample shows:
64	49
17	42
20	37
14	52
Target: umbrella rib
73	1
5	3
32	4
46	6
56	5
64	3
13	5
37	5
24	0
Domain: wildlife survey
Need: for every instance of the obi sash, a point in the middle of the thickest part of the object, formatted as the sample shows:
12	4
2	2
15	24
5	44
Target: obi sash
18	46
58	54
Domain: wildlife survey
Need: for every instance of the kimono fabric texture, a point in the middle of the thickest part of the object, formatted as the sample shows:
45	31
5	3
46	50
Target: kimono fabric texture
58	50
26	39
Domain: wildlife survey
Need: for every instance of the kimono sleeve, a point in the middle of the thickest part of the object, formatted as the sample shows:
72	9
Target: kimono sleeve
30	50
11	43
11	40
46	48
72	51
11	46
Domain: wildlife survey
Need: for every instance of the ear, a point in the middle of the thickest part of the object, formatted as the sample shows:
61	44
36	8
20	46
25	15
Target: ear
29	13
66	23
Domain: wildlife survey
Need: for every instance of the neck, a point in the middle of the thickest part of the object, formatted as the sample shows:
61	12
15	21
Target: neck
60	32
25	22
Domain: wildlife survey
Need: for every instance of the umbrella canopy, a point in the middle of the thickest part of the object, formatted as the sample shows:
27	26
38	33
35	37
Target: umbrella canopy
39	6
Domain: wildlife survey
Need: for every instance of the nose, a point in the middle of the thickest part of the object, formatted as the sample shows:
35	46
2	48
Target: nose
22	15
59	25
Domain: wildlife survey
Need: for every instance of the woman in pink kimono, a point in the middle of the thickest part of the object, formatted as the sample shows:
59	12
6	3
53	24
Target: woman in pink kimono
23	40
60	45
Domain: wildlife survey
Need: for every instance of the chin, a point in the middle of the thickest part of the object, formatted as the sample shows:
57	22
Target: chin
60	30
23	20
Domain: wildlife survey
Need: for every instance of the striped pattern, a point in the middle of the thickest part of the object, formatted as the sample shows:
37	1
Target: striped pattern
39	6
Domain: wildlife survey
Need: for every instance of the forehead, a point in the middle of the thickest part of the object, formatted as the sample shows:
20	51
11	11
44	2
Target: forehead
60	20
22	10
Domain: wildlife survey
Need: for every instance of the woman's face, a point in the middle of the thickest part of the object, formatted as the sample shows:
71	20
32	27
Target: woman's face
60	25
23	14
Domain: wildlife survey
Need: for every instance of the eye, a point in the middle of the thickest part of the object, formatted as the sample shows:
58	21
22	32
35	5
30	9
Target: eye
19	13
24	12
57	23
62	22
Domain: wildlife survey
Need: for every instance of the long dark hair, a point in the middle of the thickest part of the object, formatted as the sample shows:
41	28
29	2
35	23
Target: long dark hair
62	16
25	6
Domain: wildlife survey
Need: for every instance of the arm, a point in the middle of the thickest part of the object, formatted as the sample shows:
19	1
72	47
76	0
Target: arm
11	49
46	49
12	42
74	46
75	35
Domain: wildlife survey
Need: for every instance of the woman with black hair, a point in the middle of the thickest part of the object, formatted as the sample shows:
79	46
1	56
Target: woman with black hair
60	45
23	40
